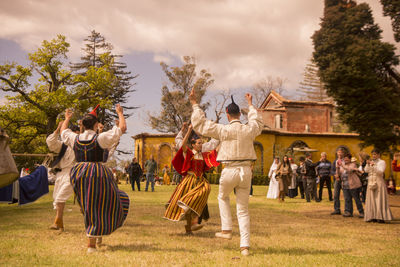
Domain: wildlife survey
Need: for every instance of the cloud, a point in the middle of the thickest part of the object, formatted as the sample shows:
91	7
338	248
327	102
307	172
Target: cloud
240	42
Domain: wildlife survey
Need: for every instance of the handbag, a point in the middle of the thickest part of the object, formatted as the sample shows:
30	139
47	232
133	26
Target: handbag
372	183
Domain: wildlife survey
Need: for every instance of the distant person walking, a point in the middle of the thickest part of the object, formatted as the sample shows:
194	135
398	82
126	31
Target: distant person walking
135	173
151	169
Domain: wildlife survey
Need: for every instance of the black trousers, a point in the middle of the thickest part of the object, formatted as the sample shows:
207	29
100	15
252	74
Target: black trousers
134	180
301	184
327	180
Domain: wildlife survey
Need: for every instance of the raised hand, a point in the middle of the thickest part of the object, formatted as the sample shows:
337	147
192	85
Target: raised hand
68	114
249	99
119	109
192	97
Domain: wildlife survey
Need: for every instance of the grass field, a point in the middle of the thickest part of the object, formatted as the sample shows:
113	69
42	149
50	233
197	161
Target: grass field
294	233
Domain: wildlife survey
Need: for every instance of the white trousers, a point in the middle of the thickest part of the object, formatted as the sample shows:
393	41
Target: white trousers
238	177
62	187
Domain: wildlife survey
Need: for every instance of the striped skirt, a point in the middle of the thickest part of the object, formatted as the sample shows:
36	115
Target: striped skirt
104	206
191	194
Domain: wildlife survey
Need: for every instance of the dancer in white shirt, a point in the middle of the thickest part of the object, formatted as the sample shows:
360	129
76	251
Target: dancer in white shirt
237	153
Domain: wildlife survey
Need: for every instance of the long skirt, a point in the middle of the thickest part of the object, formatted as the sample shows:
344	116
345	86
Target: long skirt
103	205
377	204
284	181
191	194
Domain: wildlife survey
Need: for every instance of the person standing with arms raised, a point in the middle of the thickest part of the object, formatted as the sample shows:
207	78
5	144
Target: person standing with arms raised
237	153
103	205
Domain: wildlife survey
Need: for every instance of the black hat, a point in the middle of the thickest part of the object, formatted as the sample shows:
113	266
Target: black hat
74	127
232	108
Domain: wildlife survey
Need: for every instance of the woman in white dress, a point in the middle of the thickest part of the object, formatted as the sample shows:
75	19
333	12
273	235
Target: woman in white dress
273	190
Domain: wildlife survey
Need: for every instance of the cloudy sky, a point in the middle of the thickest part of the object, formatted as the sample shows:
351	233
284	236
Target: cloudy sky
239	42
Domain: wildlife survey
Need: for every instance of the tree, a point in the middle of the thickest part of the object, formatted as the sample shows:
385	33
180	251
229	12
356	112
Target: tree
262	88
98	62
311	86
391	8
219	103
357	69
175	106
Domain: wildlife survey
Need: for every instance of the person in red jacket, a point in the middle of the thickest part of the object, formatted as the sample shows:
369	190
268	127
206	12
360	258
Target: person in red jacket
190	197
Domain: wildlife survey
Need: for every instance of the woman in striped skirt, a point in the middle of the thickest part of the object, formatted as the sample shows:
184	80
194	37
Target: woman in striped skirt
103	205
190	196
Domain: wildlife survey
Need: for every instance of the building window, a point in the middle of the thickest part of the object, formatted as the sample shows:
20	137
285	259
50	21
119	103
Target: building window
278	121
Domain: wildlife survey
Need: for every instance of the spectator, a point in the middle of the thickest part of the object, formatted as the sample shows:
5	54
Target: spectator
166	175
338	182
301	182
273	189
293	182
391	186
324	173
310	176
351	186
284	176
135	172
377	205
363	157
151	169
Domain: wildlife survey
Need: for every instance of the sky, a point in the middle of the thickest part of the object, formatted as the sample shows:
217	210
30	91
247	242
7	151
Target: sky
238	42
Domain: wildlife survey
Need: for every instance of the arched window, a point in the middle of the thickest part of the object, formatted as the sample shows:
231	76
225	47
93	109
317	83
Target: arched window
164	155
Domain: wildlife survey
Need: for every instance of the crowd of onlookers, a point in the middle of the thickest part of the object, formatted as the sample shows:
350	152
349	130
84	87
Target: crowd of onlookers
360	180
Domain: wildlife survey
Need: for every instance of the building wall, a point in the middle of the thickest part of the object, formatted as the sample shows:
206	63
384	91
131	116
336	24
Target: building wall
267	145
317	117
269	118
156	146
295	118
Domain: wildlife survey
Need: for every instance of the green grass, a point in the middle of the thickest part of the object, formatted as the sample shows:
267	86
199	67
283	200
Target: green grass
294	233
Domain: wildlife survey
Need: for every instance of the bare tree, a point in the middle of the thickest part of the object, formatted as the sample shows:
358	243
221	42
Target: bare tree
262	88
219	103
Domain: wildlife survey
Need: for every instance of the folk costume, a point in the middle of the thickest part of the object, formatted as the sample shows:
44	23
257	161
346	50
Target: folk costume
62	166
237	153
103	205
192	193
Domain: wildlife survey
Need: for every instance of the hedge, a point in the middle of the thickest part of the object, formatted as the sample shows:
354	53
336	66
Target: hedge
258	179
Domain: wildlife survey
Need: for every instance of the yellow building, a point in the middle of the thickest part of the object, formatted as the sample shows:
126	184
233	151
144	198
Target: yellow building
269	144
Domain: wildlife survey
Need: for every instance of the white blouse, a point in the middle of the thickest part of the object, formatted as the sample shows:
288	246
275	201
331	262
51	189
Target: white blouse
106	139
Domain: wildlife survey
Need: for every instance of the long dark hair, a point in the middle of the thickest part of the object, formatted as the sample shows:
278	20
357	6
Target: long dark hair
288	162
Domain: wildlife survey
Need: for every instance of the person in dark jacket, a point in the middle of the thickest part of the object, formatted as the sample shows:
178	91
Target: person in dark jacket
324	173
310	176
135	173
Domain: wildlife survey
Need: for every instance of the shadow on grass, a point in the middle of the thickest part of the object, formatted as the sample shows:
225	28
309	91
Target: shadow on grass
144	247
297	251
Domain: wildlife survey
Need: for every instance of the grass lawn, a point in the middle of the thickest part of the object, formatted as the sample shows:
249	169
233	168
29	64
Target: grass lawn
294	233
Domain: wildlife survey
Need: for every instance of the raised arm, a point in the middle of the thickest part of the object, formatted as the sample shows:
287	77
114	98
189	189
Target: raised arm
199	122
254	119
53	142
121	118
68	116
185	139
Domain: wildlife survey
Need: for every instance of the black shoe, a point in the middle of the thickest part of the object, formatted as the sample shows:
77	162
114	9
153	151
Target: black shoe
318	200
380	221
361	215
302	197
308	201
347	214
336	212
330	199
